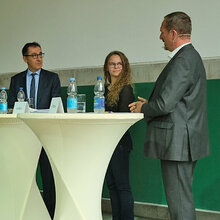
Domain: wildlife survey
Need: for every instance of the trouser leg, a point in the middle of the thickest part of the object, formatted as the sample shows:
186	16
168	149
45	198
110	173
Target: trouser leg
48	183
178	179
117	179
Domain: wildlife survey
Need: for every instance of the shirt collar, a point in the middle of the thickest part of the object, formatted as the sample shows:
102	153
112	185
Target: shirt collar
29	72
172	54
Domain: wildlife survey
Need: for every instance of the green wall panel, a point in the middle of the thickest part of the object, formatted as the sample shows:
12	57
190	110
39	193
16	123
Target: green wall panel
207	173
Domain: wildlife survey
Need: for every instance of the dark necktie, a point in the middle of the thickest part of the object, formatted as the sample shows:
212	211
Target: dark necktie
32	89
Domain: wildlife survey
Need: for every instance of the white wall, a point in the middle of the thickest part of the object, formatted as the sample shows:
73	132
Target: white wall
76	33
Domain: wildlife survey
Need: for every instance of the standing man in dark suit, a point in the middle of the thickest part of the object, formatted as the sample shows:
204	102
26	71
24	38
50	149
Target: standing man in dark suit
177	131
41	85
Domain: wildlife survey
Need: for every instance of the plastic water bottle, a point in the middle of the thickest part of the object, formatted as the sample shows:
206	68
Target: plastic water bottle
72	96
3	102
21	95
99	99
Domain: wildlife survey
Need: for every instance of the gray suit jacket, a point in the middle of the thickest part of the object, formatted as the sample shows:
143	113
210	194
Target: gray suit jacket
176	112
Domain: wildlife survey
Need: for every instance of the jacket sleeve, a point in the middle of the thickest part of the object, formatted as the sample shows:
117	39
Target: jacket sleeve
12	94
125	98
177	82
56	88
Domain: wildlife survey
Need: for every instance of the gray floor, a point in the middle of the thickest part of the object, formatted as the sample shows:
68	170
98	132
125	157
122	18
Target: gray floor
109	217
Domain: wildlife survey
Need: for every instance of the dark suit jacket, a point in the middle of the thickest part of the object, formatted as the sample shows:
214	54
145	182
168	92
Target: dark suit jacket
49	86
176	112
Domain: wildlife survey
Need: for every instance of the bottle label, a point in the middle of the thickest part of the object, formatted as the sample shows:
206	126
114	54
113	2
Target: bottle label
3	106
99	103
72	103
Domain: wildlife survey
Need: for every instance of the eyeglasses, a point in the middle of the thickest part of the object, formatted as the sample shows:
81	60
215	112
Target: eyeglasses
119	64
35	56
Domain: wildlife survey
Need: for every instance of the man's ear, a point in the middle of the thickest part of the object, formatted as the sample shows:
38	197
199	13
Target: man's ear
174	34
25	59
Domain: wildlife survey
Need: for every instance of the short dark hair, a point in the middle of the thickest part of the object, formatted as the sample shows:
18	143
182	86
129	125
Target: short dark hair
178	21
27	45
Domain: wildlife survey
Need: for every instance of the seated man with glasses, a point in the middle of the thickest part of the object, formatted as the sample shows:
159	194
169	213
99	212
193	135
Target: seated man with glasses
40	85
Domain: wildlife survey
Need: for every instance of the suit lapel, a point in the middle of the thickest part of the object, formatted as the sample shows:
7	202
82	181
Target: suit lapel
41	86
24	82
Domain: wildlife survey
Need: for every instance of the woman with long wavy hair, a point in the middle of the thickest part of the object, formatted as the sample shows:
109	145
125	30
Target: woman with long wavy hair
118	95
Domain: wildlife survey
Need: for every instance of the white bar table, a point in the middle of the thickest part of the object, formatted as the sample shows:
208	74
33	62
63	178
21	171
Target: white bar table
20	198
79	147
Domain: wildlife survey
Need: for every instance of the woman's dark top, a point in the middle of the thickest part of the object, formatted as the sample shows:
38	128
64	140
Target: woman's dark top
126	97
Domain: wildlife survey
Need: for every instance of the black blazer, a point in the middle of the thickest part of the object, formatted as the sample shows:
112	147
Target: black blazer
49	86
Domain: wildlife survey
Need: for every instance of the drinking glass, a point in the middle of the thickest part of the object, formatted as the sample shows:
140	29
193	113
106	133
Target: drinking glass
30	102
81	103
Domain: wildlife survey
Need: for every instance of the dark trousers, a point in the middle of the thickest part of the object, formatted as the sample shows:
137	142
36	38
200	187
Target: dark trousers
48	183
178	180
117	179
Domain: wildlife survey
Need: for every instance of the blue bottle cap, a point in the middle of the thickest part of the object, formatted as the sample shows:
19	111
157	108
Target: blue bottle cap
3	88
72	79
21	88
99	78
